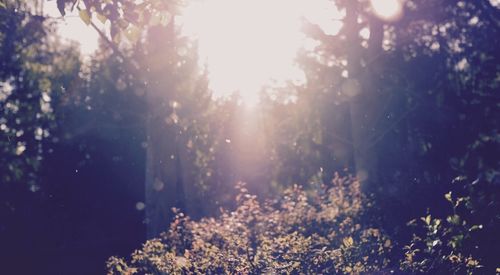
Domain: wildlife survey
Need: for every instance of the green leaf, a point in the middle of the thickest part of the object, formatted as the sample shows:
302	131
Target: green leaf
85	16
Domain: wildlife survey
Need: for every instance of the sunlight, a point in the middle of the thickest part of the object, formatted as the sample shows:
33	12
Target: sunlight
72	28
248	44
388	10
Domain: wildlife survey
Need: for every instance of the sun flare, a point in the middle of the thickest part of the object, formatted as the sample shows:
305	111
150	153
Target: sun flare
248	44
389	10
244	44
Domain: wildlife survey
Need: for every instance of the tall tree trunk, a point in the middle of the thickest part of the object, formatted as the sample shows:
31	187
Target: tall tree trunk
365	104
164	168
164	176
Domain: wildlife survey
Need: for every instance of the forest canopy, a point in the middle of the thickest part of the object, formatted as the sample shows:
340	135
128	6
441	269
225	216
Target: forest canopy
304	137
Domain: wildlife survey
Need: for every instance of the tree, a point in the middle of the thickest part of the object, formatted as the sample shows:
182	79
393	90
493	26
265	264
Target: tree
34	72
367	71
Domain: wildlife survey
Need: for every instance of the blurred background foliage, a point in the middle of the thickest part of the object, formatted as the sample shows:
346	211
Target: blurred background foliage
95	154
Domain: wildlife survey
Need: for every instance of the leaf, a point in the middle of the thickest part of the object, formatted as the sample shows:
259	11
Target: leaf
61	4
437	222
472	263
435	242
85	16
181	261
447	196
348	241
387	243
2	4
427	219
454	219
101	18
412	222
476	227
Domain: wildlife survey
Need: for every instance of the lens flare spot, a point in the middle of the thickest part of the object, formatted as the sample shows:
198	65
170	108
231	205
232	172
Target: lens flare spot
389	10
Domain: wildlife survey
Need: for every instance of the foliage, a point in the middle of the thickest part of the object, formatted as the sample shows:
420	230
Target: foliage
439	250
463	241
324	230
432	78
22	113
59	133
321	230
127	18
33	73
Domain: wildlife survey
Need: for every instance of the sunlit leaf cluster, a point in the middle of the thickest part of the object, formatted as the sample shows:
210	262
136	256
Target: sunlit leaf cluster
316	231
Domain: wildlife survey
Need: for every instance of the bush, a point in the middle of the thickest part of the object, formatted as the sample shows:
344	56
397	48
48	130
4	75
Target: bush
466	238
323	230
327	229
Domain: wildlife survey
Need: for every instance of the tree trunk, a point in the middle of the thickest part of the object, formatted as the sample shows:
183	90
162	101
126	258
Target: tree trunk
165	148
365	104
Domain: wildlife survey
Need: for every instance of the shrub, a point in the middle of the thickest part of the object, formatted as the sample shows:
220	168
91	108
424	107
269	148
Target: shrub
466	238
327	229
322	230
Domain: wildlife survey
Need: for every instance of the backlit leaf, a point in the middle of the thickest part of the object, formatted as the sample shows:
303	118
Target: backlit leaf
448	196
101	18
85	16
348	241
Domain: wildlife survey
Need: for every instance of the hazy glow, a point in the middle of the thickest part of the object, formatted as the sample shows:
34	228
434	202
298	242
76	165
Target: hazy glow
246	44
387	9
71	27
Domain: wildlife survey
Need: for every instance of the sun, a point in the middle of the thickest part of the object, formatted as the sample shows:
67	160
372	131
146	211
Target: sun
72	28
389	10
247	44
244	44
